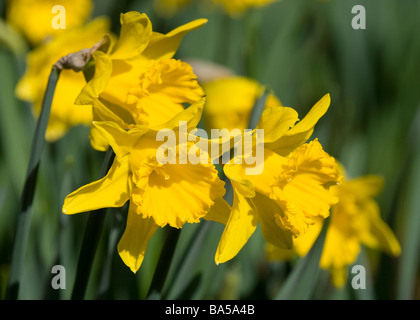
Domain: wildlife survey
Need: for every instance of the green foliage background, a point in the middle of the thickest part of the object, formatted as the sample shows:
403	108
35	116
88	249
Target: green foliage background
301	49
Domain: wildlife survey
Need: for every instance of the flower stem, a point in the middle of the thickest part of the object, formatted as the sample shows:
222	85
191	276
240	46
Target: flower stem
90	242
23	223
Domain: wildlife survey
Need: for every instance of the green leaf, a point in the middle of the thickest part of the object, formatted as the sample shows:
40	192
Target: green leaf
13	127
410	236
12	40
185	270
300	284
22	230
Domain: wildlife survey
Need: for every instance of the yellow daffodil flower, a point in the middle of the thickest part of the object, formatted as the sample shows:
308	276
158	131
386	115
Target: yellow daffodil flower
355	221
33	18
234	8
159	195
230	100
137	81
168	8
238	7
31	87
292	191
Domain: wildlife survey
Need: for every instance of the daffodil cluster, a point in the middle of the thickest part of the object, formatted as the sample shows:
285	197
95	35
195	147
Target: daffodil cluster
300	183
133	88
137	89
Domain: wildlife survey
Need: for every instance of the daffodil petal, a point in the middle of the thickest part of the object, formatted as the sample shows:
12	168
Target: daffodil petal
100	80
219	212
133	243
385	237
302	131
97	140
339	251
338	265
272	233
221	142
56	128
274	253
304	243
301	245
120	140
366	186
190	115
235	173
241	225
379	235
136	30
276	121
164	46
34	20
307	124
339	276
106	111
111	191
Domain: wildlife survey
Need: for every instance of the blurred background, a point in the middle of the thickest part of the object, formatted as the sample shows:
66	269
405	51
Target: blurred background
300	49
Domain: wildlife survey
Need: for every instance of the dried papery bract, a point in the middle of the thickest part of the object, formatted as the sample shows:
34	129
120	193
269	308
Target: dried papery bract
77	61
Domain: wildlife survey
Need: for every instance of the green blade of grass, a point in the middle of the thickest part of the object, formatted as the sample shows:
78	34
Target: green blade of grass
114	230
408	264
186	268
22	230
14	127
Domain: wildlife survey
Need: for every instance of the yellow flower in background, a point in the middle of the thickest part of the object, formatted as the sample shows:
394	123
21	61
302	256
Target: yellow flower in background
355	221
138	81
292	191
33	18
168	8
235	8
31	87
229	102
238	7
159	195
